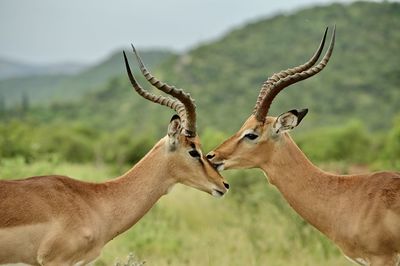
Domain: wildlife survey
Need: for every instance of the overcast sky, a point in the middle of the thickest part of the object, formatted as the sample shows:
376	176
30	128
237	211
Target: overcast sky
50	31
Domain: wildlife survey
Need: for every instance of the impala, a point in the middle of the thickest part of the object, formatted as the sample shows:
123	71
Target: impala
59	221
360	213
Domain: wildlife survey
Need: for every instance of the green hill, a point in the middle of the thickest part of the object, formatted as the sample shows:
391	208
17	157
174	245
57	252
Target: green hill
12	68
47	89
361	81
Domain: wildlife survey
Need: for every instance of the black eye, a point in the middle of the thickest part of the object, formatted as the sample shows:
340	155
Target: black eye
194	153
251	136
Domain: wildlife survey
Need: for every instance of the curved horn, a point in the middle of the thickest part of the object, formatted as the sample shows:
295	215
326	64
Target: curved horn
283	79
189	119
173	104
290	71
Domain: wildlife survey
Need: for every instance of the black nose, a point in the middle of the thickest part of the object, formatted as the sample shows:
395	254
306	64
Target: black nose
226	185
210	156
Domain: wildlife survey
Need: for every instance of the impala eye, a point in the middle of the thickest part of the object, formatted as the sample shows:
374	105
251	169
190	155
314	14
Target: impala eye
194	154
251	136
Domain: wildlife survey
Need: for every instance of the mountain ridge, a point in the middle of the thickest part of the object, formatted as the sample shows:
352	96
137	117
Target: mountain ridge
44	89
10	68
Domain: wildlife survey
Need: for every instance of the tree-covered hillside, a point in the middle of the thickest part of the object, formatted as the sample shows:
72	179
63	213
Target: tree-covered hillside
361	81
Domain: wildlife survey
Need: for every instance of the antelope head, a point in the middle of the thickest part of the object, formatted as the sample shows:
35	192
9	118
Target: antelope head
261	134
180	148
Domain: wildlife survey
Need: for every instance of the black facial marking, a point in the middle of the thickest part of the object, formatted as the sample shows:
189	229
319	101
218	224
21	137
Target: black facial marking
201	161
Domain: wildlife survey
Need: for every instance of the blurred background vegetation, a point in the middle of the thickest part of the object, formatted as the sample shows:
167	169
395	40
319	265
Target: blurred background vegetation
90	125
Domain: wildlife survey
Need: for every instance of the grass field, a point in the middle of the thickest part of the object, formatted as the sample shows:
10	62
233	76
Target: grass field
251	225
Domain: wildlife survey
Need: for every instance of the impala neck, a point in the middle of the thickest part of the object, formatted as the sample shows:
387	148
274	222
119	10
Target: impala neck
307	188
130	197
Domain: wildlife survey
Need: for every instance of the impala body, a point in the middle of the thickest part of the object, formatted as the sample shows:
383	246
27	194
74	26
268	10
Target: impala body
60	221
360	213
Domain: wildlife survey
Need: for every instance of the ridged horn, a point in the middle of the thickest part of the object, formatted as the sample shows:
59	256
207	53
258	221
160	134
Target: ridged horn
171	103
283	79
189	118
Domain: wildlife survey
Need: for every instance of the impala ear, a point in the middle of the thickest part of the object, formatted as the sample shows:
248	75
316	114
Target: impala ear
289	120
174	129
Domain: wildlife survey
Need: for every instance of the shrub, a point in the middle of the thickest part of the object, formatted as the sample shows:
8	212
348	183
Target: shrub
392	145
349	143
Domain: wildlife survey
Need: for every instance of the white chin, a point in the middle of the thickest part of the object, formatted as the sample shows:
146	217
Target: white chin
217	194
220	168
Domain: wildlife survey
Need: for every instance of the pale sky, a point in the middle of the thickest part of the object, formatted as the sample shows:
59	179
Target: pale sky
53	31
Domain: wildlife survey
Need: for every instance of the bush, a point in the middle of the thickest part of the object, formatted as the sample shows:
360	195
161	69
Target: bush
28	140
392	145
349	143
124	147
16	139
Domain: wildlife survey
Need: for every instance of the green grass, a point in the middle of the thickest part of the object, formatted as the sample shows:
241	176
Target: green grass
251	225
